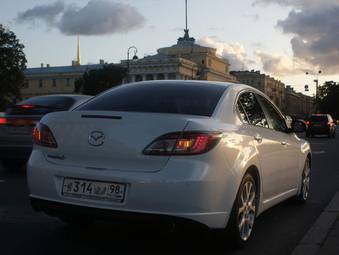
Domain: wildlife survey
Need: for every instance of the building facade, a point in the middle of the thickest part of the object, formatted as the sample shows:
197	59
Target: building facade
185	60
46	80
273	88
299	105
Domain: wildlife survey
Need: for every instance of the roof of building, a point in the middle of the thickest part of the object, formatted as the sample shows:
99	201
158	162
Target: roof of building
61	69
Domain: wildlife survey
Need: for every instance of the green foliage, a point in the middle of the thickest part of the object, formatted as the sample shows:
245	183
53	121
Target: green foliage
329	98
98	80
12	65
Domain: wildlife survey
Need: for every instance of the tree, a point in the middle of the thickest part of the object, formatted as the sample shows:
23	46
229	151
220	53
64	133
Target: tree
96	81
329	98
12	64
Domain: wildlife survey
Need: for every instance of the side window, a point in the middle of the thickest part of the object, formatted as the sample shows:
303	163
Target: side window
242	113
253	109
276	121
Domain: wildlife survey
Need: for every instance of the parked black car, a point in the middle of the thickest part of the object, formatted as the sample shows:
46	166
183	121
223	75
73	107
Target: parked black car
321	124
17	123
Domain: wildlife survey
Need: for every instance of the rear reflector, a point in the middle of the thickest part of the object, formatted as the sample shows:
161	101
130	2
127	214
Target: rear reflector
43	136
186	143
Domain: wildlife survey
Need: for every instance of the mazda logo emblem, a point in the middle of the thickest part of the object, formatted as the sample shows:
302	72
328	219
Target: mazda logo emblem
96	138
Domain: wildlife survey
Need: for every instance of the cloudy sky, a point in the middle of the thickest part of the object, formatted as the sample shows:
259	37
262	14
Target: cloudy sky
283	38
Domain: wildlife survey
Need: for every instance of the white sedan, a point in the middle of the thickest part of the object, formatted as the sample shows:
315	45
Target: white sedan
214	153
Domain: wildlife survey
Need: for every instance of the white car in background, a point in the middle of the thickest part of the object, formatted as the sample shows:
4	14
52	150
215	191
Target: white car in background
214	153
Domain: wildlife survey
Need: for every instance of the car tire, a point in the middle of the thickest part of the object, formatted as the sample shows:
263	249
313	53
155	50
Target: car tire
241	223
303	194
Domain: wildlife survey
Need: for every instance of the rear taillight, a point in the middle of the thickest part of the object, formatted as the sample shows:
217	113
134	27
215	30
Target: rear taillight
25	106
43	136
3	121
186	143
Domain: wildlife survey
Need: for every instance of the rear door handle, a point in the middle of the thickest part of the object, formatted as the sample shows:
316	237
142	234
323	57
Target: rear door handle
258	138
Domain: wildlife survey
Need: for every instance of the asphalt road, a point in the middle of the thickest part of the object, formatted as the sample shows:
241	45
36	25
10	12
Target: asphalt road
278	230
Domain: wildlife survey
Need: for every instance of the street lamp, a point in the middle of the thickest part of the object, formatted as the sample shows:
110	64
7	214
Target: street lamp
135	57
316	80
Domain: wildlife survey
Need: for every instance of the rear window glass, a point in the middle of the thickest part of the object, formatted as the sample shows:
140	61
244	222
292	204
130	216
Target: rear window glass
319	118
41	105
58	102
191	99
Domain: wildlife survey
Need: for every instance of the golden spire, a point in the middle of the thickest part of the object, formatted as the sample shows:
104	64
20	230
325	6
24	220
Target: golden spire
78	52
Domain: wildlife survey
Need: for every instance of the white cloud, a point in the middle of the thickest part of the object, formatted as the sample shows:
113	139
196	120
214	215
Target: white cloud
281	65
299	3
314	27
233	52
97	17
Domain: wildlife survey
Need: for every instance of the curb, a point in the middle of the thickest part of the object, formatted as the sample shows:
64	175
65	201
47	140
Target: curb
316	235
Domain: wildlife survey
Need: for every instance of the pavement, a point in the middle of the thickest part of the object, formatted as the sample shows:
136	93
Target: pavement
323	237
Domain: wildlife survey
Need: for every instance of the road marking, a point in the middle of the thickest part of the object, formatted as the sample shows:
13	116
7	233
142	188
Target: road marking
318	152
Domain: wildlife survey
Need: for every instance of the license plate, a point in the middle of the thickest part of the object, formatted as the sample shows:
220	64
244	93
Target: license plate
94	190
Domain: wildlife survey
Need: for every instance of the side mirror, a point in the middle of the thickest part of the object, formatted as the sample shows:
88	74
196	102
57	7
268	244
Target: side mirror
298	126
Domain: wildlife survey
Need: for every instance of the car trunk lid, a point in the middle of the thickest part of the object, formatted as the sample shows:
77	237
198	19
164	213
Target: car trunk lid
110	140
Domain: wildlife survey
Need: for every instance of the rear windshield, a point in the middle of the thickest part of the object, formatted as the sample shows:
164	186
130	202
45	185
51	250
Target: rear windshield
58	102
41	105
319	118
191	99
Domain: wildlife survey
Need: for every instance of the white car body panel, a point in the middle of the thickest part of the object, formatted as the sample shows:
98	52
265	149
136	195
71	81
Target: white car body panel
200	187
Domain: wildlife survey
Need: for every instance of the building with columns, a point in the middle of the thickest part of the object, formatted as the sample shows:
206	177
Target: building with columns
185	60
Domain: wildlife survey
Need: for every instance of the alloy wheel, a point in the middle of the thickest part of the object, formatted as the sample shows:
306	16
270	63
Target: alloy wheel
247	210
306	180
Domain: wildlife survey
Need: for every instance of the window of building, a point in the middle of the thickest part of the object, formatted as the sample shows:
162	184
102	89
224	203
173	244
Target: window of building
54	83
160	76
149	77
172	76
26	85
203	61
138	78
40	83
68	82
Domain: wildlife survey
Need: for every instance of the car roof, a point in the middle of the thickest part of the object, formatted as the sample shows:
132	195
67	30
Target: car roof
63	95
237	86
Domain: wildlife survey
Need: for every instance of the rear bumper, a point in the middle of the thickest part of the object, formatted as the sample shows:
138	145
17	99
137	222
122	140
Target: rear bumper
185	189
12	152
319	130
56	209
